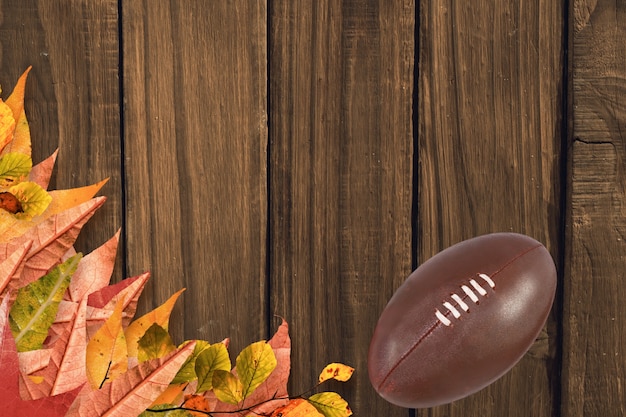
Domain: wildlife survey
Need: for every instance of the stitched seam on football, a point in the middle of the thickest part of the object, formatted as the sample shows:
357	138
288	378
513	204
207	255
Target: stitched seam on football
438	323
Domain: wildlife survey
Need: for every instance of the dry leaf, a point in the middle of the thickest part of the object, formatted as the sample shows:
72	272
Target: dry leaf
12	403
160	316
133	391
337	371
106	354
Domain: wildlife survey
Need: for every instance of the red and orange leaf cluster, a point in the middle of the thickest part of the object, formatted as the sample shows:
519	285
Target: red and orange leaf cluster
69	345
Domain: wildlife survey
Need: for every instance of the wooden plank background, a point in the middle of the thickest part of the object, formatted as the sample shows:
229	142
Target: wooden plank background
490	153
299	158
594	332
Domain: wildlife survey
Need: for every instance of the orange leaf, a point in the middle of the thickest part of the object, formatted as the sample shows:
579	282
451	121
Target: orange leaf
197	402
297	408
65	199
160	316
132	392
20	133
172	395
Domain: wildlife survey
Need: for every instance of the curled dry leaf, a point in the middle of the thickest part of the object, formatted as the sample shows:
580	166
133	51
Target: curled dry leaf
337	371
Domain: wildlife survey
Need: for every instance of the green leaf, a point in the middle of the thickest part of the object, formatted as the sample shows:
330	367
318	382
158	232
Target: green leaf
227	387
254	364
155	343
330	404
173	411
34	199
211	359
14	167
36	305
187	372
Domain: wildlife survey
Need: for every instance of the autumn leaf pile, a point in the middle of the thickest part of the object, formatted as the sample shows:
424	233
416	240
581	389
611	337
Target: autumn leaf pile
69	345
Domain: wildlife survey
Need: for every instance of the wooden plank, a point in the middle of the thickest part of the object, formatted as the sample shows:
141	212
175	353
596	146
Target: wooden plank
195	152
72	96
341	171
594	345
490	79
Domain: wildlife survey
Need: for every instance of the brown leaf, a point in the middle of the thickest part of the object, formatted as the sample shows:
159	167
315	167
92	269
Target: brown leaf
10	203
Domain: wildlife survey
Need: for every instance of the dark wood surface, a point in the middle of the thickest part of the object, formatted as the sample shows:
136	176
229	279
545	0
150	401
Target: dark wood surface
72	95
340	190
195	134
300	158
594	376
489	122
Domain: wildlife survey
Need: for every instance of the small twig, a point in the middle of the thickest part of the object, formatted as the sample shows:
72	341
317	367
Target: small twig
106	375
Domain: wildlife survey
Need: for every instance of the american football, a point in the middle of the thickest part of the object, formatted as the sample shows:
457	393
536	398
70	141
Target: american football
462	320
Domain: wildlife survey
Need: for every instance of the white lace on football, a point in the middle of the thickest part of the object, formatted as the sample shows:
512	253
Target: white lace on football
476	287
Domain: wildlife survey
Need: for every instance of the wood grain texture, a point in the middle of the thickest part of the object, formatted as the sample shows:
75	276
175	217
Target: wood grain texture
195	136
490	79
72	96
594	345
341	171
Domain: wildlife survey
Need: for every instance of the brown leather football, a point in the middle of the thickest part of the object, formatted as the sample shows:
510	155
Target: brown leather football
462	320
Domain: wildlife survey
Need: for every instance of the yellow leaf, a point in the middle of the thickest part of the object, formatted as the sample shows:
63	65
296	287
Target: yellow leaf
337	371
187	372
14	168
155	343
21	137
160	316
227	387
213	358
7	124
34	199
330	404
254	364
106	352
